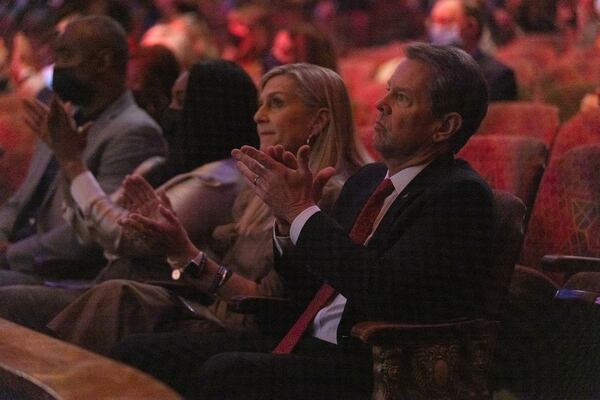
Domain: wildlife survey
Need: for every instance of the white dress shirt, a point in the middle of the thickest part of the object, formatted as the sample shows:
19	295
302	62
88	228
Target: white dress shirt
327	320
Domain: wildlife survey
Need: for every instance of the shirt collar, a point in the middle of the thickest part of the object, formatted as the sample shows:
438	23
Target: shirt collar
401	179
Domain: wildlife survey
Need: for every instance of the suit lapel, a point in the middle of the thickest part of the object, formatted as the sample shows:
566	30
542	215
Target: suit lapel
360	197
399	211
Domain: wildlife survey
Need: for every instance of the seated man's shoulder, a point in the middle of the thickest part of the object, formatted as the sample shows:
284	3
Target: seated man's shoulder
368	171
494	69
124	116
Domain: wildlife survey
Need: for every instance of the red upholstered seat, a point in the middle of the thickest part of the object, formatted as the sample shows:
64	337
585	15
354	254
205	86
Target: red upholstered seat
17	142
566	214
521	118
511	163
528	55
583	128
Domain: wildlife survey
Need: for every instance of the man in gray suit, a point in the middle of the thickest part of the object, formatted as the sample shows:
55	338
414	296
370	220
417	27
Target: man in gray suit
36	244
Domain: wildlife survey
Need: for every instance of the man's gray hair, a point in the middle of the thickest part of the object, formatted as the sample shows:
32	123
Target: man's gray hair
457	85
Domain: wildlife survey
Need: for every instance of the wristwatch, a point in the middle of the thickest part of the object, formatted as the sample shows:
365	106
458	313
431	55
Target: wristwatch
193	268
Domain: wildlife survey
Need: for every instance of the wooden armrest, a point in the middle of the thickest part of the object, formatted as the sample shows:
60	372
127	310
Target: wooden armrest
383	332
36	366
569	265
257	304
184	290
447	360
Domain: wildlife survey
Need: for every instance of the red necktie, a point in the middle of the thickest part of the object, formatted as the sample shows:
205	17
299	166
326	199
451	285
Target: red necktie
359	233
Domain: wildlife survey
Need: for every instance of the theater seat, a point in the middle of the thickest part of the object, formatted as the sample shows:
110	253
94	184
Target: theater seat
511	163
521	118
582	128
539	334
566	217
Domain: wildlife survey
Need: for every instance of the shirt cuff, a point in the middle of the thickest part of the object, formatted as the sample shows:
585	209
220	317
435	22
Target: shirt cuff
85	189
280	241
300	220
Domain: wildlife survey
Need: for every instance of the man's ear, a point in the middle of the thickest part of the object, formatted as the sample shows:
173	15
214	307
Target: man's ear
450	124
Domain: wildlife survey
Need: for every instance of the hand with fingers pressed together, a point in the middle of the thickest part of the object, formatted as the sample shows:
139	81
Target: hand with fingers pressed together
282	180
140	198
163	230
57	129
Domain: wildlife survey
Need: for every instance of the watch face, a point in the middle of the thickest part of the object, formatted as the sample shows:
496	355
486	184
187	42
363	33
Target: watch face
176	274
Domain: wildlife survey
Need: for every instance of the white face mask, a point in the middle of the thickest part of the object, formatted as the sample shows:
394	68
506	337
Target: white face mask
445	35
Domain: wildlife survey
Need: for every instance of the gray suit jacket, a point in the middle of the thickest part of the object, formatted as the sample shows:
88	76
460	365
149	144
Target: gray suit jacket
122	137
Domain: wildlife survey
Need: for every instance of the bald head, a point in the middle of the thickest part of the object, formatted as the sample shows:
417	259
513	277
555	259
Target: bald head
90	62
93	34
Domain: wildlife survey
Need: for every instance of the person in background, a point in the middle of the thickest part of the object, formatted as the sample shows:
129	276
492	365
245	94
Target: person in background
188	37
90	64
301	43
460	23
250	36
151	73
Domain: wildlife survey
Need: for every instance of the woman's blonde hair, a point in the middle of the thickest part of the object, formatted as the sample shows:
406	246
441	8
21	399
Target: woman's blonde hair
337	145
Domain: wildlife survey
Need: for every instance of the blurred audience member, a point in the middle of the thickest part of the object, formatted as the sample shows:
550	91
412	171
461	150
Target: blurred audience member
185	35
151	73
460	23
173	37
502	21
250	37
301	43
26	75
578	22
591	101
31	55
537	16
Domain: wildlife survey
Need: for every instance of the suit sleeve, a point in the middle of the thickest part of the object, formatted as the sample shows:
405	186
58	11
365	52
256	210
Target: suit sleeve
300	283
433	267
118	157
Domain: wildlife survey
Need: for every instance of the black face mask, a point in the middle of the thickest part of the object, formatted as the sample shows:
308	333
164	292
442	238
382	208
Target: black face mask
171	123
69	88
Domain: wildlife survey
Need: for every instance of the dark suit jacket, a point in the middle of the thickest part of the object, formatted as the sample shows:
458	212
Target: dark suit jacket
500	78
427	261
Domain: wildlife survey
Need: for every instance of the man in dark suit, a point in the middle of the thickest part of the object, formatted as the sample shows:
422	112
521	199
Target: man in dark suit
460	23
422	254
89	72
